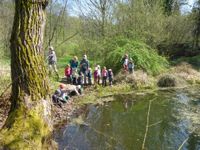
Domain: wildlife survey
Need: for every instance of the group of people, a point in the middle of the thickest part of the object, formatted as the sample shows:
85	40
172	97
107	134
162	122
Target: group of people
79	74
82	74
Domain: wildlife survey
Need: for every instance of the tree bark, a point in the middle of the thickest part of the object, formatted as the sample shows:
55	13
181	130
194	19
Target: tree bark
29	120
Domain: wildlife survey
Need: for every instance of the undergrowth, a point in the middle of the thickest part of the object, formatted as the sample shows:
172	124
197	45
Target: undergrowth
144	57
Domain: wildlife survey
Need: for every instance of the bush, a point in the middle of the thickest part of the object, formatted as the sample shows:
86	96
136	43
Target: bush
167	80
187	72
144	57
139	79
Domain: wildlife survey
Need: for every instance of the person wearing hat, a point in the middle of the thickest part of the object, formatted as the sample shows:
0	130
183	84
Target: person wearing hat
84	66
52	60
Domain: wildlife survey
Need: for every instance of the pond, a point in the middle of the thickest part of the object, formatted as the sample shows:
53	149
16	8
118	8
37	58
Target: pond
174	123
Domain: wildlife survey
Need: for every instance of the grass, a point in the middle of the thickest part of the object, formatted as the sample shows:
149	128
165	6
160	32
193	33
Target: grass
194	61
138	80
101	94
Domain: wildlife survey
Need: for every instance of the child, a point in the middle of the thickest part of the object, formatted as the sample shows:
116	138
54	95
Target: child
125	63
60	96
104	76
74	76
130	66
110	76
68	73
96	75
89	74
80	79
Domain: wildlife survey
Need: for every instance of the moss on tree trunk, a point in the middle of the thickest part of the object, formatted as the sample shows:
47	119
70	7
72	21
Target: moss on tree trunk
29	120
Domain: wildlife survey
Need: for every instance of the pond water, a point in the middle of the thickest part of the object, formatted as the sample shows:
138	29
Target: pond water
174	123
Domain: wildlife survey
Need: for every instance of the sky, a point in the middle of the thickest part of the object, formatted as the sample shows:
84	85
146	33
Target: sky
188	8
74	10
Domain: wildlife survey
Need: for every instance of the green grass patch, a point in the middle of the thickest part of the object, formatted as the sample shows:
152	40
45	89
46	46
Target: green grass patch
102	94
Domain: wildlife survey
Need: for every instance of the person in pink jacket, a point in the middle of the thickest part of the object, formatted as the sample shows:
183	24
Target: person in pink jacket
104	76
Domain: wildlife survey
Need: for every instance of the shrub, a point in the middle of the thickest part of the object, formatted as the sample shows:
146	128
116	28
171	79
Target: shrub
139	79
167	80
144	57
187	72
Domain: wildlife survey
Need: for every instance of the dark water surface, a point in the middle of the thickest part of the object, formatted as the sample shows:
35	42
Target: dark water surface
121	124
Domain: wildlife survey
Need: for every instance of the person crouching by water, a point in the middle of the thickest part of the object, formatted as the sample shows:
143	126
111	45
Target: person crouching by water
110	77
84	66
104	76
60	96
130	66
68	73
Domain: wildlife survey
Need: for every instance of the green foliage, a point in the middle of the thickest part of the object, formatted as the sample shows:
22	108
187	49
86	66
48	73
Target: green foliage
143	56
195	60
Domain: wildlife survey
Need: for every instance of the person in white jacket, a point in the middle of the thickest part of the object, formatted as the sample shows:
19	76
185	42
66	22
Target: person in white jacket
52	60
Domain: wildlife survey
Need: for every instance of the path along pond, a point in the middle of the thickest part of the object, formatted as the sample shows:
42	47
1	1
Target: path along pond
174	122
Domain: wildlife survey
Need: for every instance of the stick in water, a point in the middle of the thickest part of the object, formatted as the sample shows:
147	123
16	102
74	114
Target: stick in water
147	125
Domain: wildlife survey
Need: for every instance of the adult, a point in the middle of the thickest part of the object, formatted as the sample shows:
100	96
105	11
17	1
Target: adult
84	66
74	63
52	60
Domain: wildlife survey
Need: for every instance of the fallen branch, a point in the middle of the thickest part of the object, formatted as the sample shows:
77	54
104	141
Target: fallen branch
181	146
154	124
147	124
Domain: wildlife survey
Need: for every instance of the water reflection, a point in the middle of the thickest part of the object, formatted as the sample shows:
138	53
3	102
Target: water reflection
121	124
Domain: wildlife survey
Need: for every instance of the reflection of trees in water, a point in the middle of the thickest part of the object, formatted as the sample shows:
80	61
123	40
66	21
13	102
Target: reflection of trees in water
128	104
193	142
121	124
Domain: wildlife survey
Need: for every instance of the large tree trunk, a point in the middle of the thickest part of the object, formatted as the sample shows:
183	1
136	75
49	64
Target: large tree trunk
29	119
